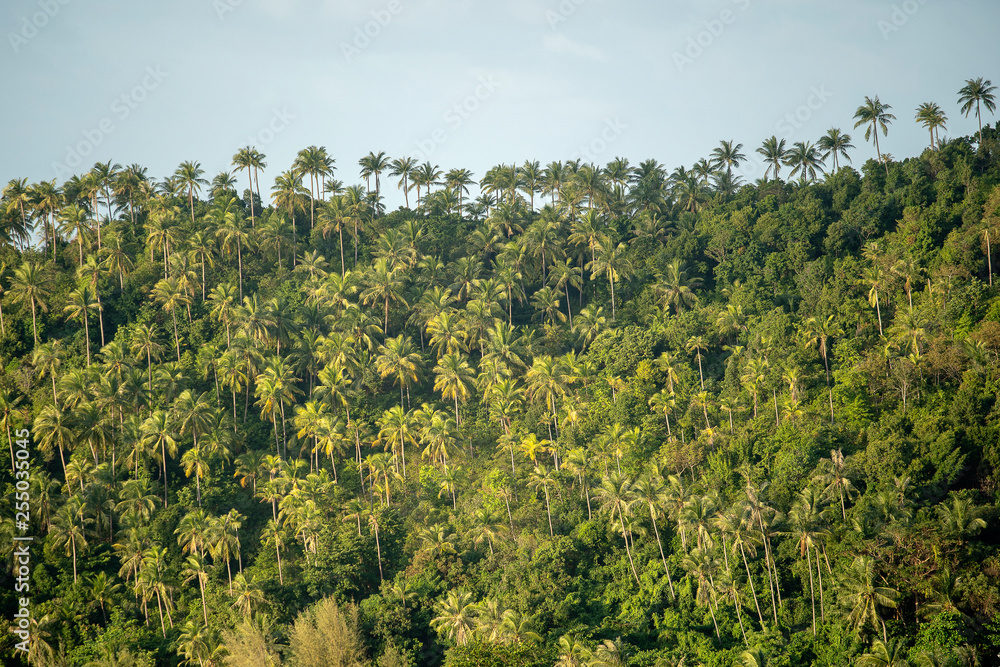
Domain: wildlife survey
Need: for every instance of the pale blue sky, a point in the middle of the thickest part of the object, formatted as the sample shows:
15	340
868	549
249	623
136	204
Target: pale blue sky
469	83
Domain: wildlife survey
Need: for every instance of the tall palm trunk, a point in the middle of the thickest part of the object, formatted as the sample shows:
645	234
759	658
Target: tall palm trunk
659	543
163	453
159	606
753	591
627	550
204	606
177	340
378	548
819	572
549	513
812	593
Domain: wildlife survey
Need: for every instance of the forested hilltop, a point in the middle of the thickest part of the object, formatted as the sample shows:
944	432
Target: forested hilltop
591	415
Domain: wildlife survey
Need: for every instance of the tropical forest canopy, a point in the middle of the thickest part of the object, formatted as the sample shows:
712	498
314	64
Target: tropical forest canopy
593	415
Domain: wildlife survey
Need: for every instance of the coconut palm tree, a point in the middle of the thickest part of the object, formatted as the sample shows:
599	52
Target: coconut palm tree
572	653
488	527
15	197
69	528
399	359
136	500
158	431
542	477
425	175
275	388
818	332
563	277
676	287
171	296
458	181
74	221
189	175
193	414
649	490
105	174
223	183
91	272
231	231
978	93
356	212
132	187
876	277
875	115
288	193
80	303
612	261
46	200
273	533
195	569
764	519
453	377
931	116
144	343
456	616
884	654
404	168
960	518
909	270
616	497
30	285
833	474
702	565
774	153
696	344
46	359
547	379
835	144
385	284
116	259
728	155
377	163
862	598
804	158
398	427
333	217
373	518
243	159
806	527
316	164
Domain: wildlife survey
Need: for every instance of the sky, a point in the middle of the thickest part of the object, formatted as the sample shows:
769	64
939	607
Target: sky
470	83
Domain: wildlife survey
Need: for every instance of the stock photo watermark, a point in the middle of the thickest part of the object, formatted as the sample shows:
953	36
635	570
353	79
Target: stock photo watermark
589	152
121	108
797	119
563	12
223	7
279	122
21	625
700	42
29	26
899	17
370	30
456	115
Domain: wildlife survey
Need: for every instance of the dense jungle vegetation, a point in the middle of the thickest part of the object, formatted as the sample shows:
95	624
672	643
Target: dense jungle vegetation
589	415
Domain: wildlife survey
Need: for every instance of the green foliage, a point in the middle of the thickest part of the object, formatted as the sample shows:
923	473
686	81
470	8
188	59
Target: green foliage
483	654
942	632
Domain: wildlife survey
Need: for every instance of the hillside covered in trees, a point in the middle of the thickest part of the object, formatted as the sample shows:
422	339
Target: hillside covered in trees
613	415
